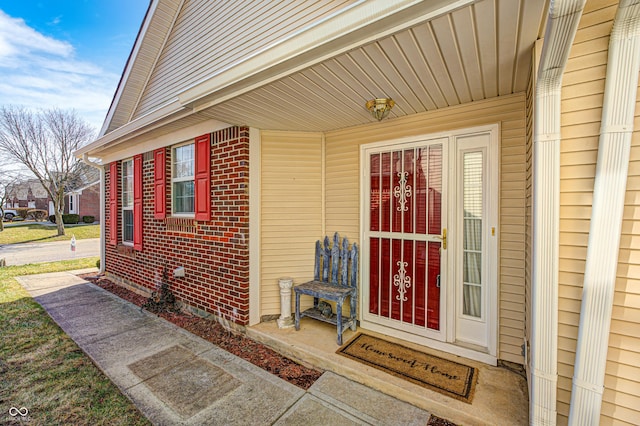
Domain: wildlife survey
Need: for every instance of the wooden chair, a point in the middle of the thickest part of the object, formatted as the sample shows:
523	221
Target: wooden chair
336	279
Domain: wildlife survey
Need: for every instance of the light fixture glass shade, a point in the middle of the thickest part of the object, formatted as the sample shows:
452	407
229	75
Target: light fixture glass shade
380	107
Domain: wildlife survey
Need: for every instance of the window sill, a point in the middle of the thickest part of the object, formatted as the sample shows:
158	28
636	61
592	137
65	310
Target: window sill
126	250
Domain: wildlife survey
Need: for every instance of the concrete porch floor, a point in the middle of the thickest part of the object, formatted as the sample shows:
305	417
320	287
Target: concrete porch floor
501	396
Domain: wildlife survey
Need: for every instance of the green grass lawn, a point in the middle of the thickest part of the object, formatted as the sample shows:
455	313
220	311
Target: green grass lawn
43	370
37	232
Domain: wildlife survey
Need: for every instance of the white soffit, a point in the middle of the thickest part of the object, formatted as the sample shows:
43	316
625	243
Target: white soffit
476	52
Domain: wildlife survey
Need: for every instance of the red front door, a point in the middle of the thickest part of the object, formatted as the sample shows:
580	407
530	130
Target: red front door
403	231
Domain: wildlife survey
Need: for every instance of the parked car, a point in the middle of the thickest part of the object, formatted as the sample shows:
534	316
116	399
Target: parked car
9	214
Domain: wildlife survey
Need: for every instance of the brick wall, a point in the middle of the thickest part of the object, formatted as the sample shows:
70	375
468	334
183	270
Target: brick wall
214	253
89	201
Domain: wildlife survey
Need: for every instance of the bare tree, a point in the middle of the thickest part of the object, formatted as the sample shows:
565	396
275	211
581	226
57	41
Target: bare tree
44	143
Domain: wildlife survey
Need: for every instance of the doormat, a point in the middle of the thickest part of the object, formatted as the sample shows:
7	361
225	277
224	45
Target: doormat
441	375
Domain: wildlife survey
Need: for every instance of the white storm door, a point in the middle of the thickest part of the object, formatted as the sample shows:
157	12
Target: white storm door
405	187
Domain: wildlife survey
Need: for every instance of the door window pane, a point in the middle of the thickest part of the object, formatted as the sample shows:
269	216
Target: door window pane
472	200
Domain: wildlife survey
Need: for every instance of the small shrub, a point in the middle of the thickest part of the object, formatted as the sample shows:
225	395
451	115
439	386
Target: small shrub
52	218
88	219
163	299
98	263
22	211
37	215
70	219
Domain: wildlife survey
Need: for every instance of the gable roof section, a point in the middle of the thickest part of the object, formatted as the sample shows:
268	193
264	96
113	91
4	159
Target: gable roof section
210	37
180	43
152	36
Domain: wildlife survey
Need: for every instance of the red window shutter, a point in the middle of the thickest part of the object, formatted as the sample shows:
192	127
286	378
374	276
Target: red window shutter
113	203
159	184
137	202
203	177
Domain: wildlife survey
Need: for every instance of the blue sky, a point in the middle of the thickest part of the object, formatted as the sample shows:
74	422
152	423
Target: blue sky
66	53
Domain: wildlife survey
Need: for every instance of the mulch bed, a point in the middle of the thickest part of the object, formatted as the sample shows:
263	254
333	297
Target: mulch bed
237	344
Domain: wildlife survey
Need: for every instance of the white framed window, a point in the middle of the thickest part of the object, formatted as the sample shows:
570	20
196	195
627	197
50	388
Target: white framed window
31	204
182	180
127	202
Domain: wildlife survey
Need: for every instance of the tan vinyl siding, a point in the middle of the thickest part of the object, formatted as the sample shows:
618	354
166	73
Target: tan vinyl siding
291	210
582	96
199	45
343	190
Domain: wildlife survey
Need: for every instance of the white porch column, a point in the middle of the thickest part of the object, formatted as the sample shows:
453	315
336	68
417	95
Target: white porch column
562	25
612	166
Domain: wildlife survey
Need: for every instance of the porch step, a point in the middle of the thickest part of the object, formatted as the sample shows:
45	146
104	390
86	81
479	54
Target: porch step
500	397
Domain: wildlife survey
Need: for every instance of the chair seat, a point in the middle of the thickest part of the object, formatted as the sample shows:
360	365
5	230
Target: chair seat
324	290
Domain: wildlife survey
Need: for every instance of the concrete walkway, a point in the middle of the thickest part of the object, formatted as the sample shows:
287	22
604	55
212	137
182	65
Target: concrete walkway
21	254
175	377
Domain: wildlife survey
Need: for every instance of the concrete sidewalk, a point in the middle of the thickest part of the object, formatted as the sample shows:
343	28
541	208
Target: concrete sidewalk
175	377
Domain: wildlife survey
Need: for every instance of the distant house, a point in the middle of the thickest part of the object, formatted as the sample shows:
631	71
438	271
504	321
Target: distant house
497	206
27	194
84	201
82	193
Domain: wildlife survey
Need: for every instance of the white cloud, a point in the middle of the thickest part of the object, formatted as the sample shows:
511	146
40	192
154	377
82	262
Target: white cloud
18	38
37	71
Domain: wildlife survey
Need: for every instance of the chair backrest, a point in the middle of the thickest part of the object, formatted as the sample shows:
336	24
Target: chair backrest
336	263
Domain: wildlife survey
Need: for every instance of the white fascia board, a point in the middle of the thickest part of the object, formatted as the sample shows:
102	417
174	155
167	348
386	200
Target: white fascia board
362	23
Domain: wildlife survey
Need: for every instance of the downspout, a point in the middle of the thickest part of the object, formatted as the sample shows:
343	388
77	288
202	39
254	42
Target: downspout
612	166
85	159
562	24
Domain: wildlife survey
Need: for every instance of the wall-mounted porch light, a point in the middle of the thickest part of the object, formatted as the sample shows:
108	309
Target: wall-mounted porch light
380	107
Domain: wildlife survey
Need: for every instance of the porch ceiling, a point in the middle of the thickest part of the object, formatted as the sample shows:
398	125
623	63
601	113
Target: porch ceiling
476	52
